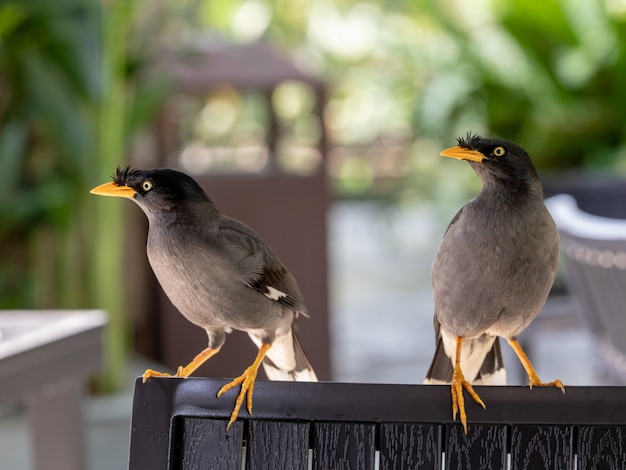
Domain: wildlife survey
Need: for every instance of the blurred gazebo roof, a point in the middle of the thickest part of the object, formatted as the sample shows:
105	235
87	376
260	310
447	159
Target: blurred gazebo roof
257	65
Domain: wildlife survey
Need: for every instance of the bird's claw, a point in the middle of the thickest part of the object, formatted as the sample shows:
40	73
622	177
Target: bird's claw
458	401
536	382
246	380
149	373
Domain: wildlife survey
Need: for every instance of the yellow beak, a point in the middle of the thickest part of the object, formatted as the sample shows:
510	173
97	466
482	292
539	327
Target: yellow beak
463	154
111	189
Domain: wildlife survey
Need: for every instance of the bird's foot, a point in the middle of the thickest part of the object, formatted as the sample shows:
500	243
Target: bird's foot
533	378
458	401
246	380
188	369
149	373
536	382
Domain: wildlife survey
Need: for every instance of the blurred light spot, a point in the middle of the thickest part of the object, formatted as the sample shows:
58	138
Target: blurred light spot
304	160
308	129
350	171
219	113
504	56
607	259
291	99
573	68
592	257
251	20
247	131
351	36
616	7
195	158
251	158
397	132
620	261
309	58
441	97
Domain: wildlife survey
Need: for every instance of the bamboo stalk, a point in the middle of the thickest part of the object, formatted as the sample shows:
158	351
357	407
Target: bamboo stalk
107	236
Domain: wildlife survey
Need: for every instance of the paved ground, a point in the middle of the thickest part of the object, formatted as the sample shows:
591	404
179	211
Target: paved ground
381	326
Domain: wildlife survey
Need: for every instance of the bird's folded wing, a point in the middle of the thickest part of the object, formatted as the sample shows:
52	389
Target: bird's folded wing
259	267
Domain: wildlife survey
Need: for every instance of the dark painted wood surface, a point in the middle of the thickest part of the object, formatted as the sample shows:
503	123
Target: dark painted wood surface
205	443
278	445
602	447
343	445
179	424
410	445
534	446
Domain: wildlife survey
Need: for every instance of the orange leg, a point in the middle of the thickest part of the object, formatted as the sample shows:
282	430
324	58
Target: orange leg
530	370
246	380
186	371
458	384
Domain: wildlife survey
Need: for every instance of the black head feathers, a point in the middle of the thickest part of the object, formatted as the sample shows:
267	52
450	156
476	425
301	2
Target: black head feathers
470	141
122	175
161	189
504	163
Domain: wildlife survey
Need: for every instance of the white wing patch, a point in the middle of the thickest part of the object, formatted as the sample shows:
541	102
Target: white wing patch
274	294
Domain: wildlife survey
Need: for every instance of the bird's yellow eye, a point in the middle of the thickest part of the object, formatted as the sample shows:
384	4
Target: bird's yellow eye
146	185
499	151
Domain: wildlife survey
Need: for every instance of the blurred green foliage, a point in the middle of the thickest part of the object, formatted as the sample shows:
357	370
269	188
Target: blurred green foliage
50	89
68	107
547	74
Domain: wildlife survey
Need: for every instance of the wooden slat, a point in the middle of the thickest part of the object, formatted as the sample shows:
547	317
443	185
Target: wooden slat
534	446
204	443
344	446
601	447
410	446
278	445
483	447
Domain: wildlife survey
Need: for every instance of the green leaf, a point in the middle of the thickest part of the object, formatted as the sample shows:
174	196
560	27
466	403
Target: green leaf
11	16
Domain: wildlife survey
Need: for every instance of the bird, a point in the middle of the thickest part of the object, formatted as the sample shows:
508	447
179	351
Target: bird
219	274
493	271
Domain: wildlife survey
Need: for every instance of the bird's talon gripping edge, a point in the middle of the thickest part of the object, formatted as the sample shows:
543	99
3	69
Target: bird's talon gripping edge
557	383
149	373
458	384
246	380
538	383
458	401
533	378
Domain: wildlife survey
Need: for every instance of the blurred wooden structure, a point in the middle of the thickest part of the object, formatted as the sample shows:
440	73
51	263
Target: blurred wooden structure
46	360
287	210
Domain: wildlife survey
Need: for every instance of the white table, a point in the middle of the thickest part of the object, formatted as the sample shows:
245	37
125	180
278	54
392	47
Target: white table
46	356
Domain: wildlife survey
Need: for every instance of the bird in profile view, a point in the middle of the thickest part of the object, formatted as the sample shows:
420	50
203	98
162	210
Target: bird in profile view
219	274
493	271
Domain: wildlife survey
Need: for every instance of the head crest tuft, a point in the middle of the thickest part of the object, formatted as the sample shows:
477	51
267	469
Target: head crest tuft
470	141
121	175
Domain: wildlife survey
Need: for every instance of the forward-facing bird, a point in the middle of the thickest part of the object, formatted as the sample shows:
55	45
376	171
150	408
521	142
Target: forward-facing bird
219	274
493	271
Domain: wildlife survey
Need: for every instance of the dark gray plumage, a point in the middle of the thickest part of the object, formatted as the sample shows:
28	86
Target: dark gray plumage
494	269
218	273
